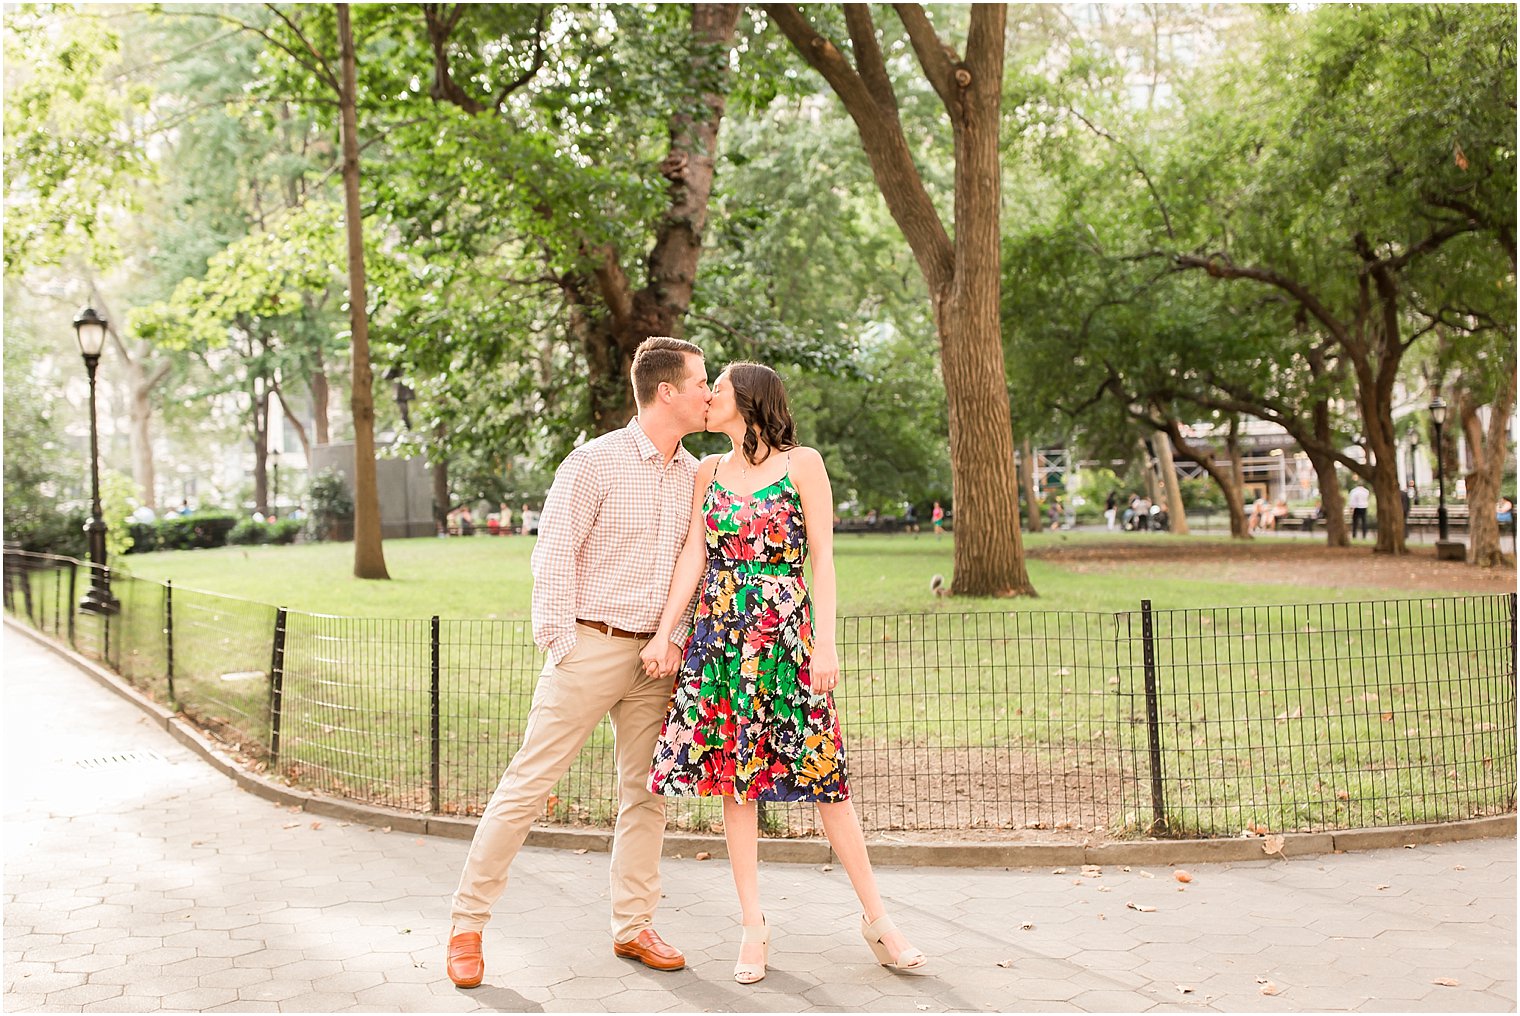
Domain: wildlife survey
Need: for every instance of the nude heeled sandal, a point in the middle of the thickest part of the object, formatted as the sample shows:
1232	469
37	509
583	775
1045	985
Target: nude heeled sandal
874	931
749	973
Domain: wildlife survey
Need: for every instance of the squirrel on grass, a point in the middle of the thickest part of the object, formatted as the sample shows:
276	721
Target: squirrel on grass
937	586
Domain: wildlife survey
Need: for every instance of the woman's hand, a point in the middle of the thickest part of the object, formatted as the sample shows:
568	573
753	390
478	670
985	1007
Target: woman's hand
823	672
652	656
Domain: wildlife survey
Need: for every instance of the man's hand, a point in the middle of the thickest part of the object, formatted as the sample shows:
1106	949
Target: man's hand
661	657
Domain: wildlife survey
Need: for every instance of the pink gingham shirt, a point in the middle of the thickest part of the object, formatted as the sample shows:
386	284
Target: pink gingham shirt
612	527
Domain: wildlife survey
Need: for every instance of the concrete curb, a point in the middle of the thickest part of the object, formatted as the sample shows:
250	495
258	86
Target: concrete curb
798	851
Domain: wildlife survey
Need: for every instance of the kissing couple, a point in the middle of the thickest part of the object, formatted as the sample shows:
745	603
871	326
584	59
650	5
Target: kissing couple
725	692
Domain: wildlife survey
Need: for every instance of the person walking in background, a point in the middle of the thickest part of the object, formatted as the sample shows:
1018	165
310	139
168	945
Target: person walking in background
1111	510
938	518
614	522
752	716
1357	501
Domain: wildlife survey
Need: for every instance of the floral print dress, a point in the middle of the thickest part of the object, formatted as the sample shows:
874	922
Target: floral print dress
743	722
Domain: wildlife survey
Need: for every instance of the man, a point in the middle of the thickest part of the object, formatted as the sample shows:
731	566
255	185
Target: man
1357	500
612	527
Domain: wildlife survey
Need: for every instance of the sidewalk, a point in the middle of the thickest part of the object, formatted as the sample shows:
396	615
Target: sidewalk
139	879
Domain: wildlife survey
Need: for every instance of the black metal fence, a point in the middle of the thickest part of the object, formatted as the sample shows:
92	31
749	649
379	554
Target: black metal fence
1302	717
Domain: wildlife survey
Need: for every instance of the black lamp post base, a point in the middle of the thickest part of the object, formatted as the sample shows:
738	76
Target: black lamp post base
100	601
1451	550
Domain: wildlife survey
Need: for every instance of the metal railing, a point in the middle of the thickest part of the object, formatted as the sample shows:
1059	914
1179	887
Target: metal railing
1303	717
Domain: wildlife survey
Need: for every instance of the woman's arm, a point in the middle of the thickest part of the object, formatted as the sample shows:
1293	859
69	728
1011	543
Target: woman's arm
811	479
661	653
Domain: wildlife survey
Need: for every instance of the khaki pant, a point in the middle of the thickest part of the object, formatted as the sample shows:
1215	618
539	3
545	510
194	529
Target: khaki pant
601	675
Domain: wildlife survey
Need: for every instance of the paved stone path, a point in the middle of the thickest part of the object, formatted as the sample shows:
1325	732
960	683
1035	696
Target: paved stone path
148	881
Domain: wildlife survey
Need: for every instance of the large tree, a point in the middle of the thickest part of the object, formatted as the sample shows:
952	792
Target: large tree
961	271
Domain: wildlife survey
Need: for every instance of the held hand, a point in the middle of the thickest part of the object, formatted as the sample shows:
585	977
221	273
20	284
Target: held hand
672	660
652	656
824	673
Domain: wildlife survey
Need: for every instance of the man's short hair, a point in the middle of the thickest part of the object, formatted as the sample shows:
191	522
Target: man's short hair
659	360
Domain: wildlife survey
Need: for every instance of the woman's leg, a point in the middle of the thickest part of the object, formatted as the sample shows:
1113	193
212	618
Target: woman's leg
741	831
842	828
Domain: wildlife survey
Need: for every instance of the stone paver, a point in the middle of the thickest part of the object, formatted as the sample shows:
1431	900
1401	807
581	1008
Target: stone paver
159	885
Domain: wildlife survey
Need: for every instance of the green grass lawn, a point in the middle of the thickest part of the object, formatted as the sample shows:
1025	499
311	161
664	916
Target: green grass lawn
489	578
1297	708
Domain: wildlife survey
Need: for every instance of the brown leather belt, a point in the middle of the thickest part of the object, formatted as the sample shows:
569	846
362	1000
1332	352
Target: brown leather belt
617	633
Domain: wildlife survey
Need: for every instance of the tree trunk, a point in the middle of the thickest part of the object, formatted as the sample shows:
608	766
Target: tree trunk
963	274
1227	480
1377	418
1337	533
259	393
140	413
1174	506
620	318
441	481
369	554
1031	488
1488	451
1148	457
1331	500
319	395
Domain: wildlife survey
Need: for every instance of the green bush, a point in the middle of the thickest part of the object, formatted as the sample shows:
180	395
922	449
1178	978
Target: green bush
194	532
144	537
1200	492
249	532
284	530
331	504
49	530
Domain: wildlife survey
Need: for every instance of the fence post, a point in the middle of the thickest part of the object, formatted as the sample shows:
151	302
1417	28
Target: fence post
26	593
433	723
1152	717
73	604
1512	667
276	687
169	640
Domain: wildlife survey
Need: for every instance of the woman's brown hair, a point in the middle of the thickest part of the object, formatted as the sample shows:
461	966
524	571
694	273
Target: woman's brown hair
760	397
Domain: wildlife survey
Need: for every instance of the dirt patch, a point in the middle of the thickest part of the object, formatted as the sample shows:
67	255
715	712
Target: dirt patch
1282	561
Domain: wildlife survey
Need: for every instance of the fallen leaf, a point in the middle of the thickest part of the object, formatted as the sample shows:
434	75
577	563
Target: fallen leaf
1459	157
1296	714
1005	963
385	829
580	850
1059	871
1273	845
1343	795
1144	908
1387	717
291	825
1146	874
420	841
552	802
1382	887
826	867
1027	926
703	855
1185	988
294	809
316	825
1459	867
1446	982
1270	989
923	1008
1182	876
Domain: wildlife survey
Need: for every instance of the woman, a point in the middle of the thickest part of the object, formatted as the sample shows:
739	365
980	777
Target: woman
751	718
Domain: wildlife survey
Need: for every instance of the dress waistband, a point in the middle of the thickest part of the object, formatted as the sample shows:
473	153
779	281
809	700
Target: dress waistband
757	568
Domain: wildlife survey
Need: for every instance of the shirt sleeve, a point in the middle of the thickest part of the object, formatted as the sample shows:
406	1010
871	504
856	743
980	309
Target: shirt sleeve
569	512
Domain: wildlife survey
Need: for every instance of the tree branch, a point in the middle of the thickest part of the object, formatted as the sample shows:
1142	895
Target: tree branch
1219	266
868	58
937	59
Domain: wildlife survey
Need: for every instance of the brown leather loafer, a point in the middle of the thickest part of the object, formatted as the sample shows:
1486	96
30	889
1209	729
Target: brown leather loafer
466	966
649	949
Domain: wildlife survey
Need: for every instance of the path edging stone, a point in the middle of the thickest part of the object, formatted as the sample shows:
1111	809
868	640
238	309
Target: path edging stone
799	851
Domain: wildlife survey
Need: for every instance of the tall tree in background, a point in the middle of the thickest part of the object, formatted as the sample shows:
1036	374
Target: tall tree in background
962	272
369	554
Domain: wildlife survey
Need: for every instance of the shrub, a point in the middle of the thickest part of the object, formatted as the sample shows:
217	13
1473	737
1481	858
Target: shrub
144	537
198	531
249	532
285	530
331	504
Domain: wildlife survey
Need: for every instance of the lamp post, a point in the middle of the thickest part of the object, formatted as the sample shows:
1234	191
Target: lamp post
90	330
1446	549
1438	417
404	397
274	500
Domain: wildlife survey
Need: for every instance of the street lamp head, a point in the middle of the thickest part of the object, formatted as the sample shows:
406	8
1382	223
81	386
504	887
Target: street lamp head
1438	410
1414	439
274	456
90	329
